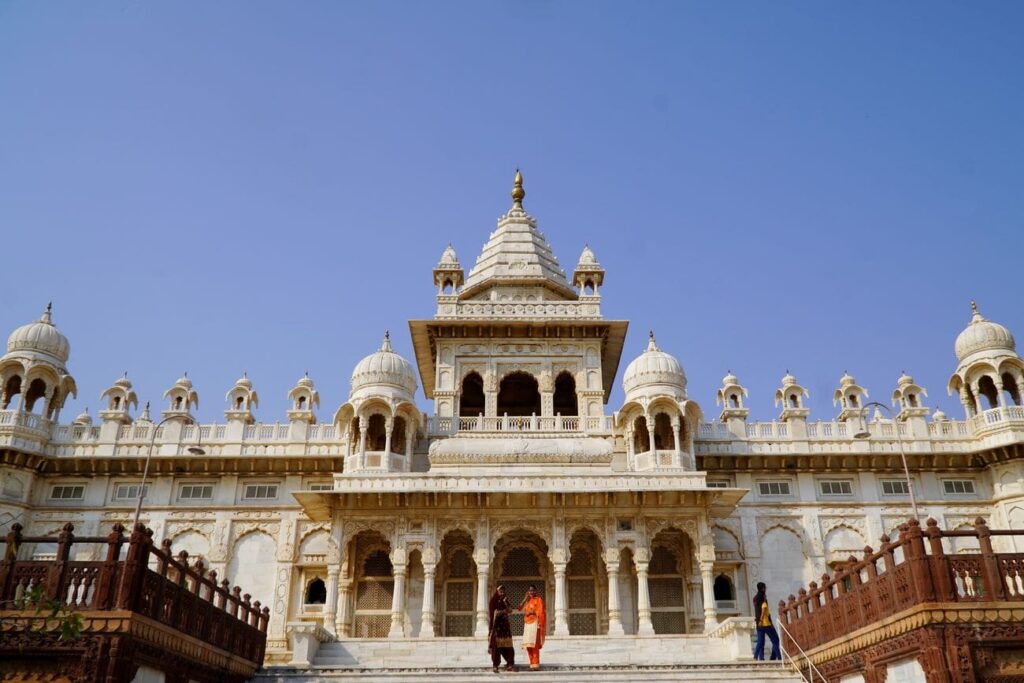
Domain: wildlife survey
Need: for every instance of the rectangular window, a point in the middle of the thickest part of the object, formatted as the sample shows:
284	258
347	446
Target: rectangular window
836	488
196	492
773	488
69	492
321	486
260	492
958	487
895	487
128	491
717	484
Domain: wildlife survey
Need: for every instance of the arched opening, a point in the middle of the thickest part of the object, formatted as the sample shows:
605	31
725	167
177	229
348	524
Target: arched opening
565	402
666	582
375	586
734	400
586	580
316	592
663	439
36	391
588	288
376	433
457	584
794	401
301	404
1012	389
912	400
641	437
177	403
471	399
11	389
239	402
518	395
972	403
724	589
447	287
115	404
628	592
522	561
398	441
987	388
853	400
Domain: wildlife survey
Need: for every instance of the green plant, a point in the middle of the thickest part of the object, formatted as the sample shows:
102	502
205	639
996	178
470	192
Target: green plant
46	615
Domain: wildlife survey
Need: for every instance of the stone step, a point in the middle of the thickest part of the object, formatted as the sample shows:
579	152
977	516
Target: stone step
760	672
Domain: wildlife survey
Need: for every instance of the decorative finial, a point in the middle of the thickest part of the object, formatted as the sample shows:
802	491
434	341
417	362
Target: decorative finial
518	193
47	317
386	346
976	316
651	344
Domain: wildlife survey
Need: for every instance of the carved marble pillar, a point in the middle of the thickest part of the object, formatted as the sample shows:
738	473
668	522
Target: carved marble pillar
364	423
614	610
482	569
707	577
410	436
331	608
1000	396
643	594
427	620
389	426
676	426
398	602
342	622
649	421
561	601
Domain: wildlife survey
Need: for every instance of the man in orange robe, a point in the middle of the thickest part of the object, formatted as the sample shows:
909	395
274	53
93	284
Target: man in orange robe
535	624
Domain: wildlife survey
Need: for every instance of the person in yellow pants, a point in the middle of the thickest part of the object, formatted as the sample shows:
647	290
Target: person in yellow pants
535	624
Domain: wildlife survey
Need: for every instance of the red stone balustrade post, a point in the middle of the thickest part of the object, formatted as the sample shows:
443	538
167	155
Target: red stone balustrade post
995	589
945	589
13	541
134	569
106	588
55	577
920	568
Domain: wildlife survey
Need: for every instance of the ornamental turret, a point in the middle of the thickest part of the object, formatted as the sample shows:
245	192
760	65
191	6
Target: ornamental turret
794	412
850	397
304	398
588	275
181	398
448	274
730	397
33	372
989	373
119	400
242	398
910	408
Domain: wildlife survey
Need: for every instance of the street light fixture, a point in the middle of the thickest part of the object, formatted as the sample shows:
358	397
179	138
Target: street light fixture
194	450
865	434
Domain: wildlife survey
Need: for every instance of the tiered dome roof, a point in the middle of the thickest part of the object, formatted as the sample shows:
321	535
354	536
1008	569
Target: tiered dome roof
653	367
386	367
40	336
983	335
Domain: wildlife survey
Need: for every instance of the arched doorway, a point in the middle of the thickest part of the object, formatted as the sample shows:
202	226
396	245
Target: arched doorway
666	581
471	399
457	585
565	402
374	586
518	395
521	560
586	580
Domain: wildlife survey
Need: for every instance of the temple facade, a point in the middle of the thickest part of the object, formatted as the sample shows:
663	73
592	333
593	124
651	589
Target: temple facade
657	516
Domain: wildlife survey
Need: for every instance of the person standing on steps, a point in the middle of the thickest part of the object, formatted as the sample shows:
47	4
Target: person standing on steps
499	639
763	619
535	623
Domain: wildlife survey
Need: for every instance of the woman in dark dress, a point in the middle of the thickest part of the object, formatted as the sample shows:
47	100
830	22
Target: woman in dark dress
499	639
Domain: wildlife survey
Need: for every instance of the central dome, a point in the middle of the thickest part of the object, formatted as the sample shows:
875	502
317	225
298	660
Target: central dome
384	367
983	335
40	336
654	367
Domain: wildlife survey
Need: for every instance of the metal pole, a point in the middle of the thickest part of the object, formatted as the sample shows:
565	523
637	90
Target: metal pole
149	456
903	453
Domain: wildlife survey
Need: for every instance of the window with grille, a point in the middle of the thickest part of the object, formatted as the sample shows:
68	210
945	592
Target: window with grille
374	590
129	491
519	570
260	492
195	492
895	487
958	487
459	610
68	492
836	488
773	488
717	484
666	587
581	575
321	486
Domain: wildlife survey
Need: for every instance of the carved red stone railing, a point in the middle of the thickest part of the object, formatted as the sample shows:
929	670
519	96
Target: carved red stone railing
185	598
910	571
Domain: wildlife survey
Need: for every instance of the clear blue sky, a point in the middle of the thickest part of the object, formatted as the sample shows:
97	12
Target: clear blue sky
264	187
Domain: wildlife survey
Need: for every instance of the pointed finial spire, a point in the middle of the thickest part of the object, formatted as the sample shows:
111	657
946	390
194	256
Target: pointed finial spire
976	316
47	314
651	344
518	193
386	346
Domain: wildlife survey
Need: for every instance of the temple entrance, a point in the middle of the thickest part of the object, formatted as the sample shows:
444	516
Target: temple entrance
521	560
666	581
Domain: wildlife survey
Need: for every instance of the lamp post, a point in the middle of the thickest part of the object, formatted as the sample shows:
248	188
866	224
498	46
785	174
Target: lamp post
865	434
194	450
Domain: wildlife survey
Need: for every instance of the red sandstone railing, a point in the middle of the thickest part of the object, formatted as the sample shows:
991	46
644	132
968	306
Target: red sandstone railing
149	581
910	571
